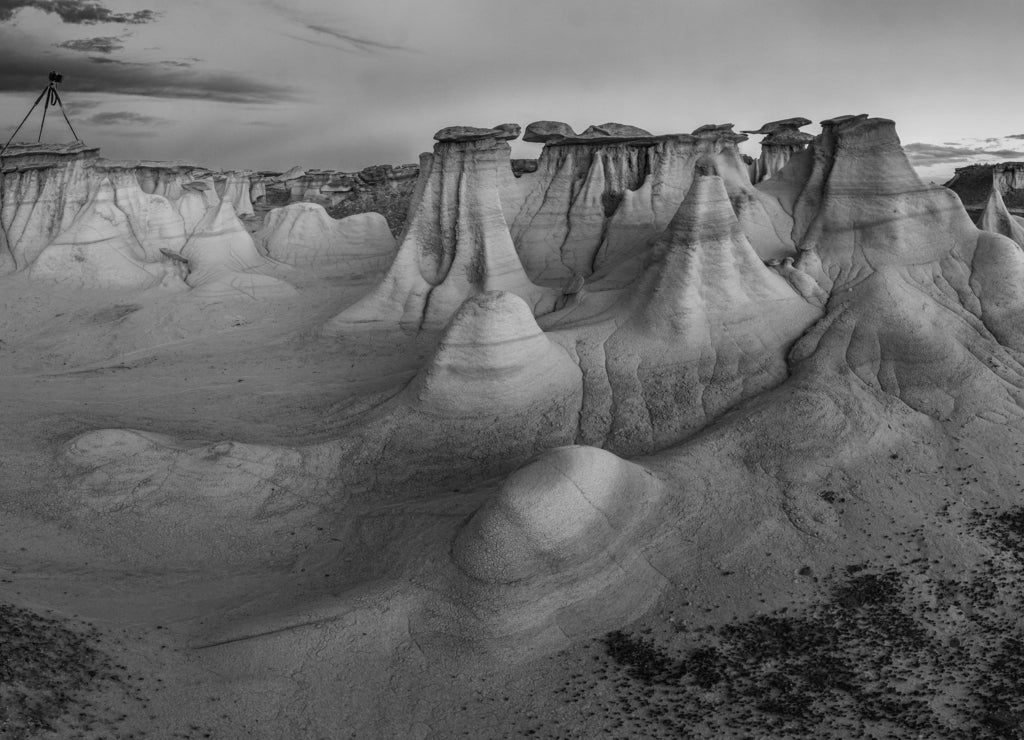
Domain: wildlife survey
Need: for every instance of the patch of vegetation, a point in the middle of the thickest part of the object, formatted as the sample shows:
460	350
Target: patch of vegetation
890	653
46	669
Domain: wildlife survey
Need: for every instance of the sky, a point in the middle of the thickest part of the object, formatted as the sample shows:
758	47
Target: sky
268	84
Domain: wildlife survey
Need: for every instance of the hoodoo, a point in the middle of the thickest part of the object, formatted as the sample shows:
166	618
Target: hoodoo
456	243
782	139
598	198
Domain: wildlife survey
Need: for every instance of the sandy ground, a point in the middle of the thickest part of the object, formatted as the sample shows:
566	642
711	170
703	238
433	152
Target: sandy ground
301	627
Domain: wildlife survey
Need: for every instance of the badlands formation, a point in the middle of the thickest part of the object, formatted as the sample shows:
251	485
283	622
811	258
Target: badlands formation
641	439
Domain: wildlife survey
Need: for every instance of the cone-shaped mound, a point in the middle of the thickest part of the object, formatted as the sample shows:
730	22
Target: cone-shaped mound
456	243
224	261
566	509
99	250
303	234
703	262
704	326
863	205
493	355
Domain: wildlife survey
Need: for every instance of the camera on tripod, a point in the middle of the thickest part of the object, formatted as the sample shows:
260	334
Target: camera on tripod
48	97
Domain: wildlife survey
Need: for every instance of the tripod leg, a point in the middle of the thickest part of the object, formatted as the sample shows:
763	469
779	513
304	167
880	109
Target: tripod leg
46	107
23	121
61	104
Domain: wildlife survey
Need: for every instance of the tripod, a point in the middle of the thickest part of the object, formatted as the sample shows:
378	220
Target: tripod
52	98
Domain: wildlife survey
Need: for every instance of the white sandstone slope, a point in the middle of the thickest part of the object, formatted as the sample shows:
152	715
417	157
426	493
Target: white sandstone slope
224	262
154	221
304	235
99	250
456	243
493	350
494	389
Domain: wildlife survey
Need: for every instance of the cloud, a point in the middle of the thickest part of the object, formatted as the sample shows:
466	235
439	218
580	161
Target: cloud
83	12
362	44
351	41
922	154
123	117
20	72
1015	136
80	106
98	45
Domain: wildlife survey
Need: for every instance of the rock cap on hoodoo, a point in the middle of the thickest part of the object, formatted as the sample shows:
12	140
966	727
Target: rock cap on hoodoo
784	131
556	132
780	125
718	131
503	131
844	119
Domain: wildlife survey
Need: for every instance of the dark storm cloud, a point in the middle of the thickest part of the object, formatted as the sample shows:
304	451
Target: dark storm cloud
122	117
21	73
925	154
98	45
75	11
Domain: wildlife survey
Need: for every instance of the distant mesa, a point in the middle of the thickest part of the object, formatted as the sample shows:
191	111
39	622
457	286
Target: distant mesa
975	183
1007	183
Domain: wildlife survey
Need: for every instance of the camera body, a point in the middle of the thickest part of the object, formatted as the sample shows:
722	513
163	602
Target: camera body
55	77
